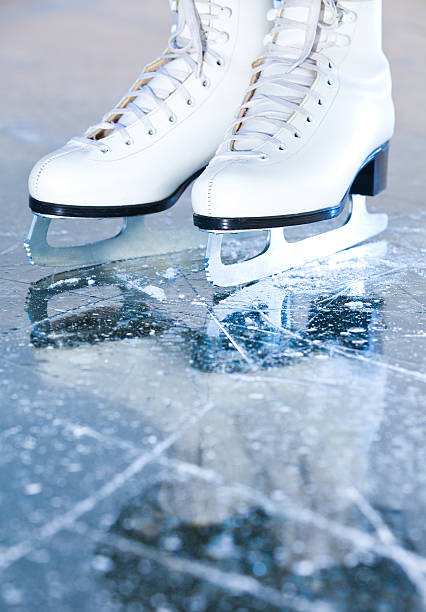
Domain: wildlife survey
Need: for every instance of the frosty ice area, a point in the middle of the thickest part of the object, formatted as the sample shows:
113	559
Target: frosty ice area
170	446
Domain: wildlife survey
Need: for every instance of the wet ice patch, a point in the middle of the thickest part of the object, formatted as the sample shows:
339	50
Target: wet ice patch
155	292
11	595
152	290
33	488
256	396
170	273
222	547
64	282
304	568
102	564
78	431
354	305
198	303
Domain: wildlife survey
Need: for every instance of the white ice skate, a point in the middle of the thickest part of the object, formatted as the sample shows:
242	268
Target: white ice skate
147	150
312	132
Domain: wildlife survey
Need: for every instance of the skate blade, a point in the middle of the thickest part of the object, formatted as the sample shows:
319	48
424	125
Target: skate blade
280	255
134	240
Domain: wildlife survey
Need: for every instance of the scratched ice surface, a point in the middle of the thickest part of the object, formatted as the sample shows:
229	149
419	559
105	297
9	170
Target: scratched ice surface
167	446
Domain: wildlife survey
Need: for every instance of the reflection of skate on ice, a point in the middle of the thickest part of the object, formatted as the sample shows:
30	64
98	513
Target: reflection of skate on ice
147	150
300	441
280	346
312	132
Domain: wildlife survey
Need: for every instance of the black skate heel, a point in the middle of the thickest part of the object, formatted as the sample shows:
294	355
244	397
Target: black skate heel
372	178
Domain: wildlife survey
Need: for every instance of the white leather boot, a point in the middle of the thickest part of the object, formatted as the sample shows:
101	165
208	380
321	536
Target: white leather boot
145	151
313	128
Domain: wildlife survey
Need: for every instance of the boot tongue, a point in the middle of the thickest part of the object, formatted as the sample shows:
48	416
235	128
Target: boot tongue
289	42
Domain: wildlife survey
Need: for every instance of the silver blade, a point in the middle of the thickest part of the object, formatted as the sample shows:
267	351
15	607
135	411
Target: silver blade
280	255
134	240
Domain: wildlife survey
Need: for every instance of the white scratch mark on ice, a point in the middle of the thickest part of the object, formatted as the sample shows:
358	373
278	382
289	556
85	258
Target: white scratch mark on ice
12	431
411	563
84	431
223	329
10	249
11	555
385	535
348	353
231	339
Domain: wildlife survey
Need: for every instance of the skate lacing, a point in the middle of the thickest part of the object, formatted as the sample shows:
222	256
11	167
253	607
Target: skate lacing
193	50
292	68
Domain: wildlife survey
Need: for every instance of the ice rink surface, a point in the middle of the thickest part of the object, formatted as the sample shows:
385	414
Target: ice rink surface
169	446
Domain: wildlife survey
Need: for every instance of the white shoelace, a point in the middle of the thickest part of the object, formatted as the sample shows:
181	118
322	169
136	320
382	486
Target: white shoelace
284	77
188	42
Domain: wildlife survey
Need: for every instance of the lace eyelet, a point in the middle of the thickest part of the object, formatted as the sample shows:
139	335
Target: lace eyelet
320	102
264	157
309	119
329	83
151	132
330	65
129	142
220	62
206	83
172	118
281	148
226	11
297	135
190	101
222	38
105	150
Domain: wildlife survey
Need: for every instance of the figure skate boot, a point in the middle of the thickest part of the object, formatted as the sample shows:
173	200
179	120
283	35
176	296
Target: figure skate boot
313	131
160	136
